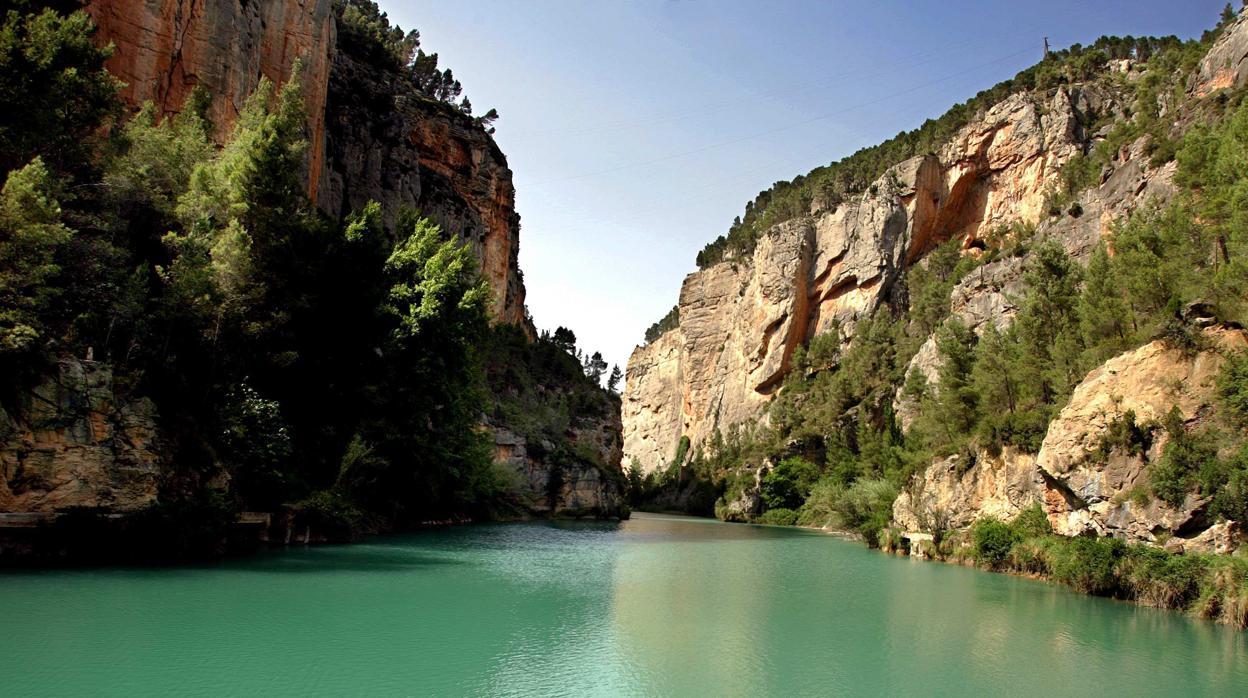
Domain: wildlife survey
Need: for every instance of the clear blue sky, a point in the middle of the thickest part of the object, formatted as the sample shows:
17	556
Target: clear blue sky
638	130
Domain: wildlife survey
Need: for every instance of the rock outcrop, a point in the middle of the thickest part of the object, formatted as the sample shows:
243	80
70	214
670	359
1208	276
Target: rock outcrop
575	487
954	493
1090	494
1085	488
386	143
1226	64
742	319
74	441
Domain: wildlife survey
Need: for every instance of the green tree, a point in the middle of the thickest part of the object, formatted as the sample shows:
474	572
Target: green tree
155	159
787	484
958	400
1233	388
437	286
430	455
1185	454
31	233
244	212
53	85
1048	324
995	375
595	366
1105	319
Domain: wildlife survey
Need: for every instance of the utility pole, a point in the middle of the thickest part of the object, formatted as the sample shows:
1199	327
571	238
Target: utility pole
1046	47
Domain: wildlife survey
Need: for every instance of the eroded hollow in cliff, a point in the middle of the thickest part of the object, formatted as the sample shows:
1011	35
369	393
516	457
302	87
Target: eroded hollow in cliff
957	215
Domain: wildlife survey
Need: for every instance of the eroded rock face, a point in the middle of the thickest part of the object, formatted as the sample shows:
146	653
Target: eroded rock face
1083	489
72	441
957	493
1226	64
991	293
742	319
166	48
1089	494
653	408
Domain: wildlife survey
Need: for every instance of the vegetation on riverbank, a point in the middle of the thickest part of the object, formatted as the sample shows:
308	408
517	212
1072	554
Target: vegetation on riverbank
1206	586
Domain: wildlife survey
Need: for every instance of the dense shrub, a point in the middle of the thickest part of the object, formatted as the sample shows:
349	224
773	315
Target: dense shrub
992	541
1157	578
1185	454
1032	522
788	484
1087	564
866	506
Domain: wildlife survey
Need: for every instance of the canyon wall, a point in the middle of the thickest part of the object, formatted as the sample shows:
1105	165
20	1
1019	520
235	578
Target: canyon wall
74	441
742	319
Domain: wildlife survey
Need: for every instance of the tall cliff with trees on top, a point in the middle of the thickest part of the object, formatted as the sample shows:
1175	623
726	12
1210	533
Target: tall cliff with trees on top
260	280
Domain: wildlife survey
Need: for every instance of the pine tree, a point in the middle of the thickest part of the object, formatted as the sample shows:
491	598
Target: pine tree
957	401
1105	320
613	382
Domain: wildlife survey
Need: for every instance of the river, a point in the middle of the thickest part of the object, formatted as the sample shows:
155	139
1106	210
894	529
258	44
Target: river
655	606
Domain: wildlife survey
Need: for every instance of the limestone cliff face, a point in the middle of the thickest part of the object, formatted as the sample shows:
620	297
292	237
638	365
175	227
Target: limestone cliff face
1083	490
1226	64
741	320
989	294
75	441
370	136
386	143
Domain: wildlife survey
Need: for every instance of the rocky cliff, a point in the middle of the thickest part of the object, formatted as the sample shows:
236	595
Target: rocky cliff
74	440
1086	485
77	440
1001	174
742	319
567	487
370	136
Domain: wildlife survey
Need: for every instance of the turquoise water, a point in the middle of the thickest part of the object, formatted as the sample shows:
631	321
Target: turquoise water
656	606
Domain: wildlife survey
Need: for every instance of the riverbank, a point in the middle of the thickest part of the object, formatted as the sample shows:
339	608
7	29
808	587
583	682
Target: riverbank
1207	586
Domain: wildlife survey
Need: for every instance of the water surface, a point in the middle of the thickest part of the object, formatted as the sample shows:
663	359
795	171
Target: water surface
656	606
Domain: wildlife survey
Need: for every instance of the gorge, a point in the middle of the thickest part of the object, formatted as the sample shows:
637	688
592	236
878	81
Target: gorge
261	293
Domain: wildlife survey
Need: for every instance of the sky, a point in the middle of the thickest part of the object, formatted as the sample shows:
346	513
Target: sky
638	130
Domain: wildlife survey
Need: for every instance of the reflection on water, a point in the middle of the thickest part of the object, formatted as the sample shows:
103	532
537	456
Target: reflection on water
654	606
